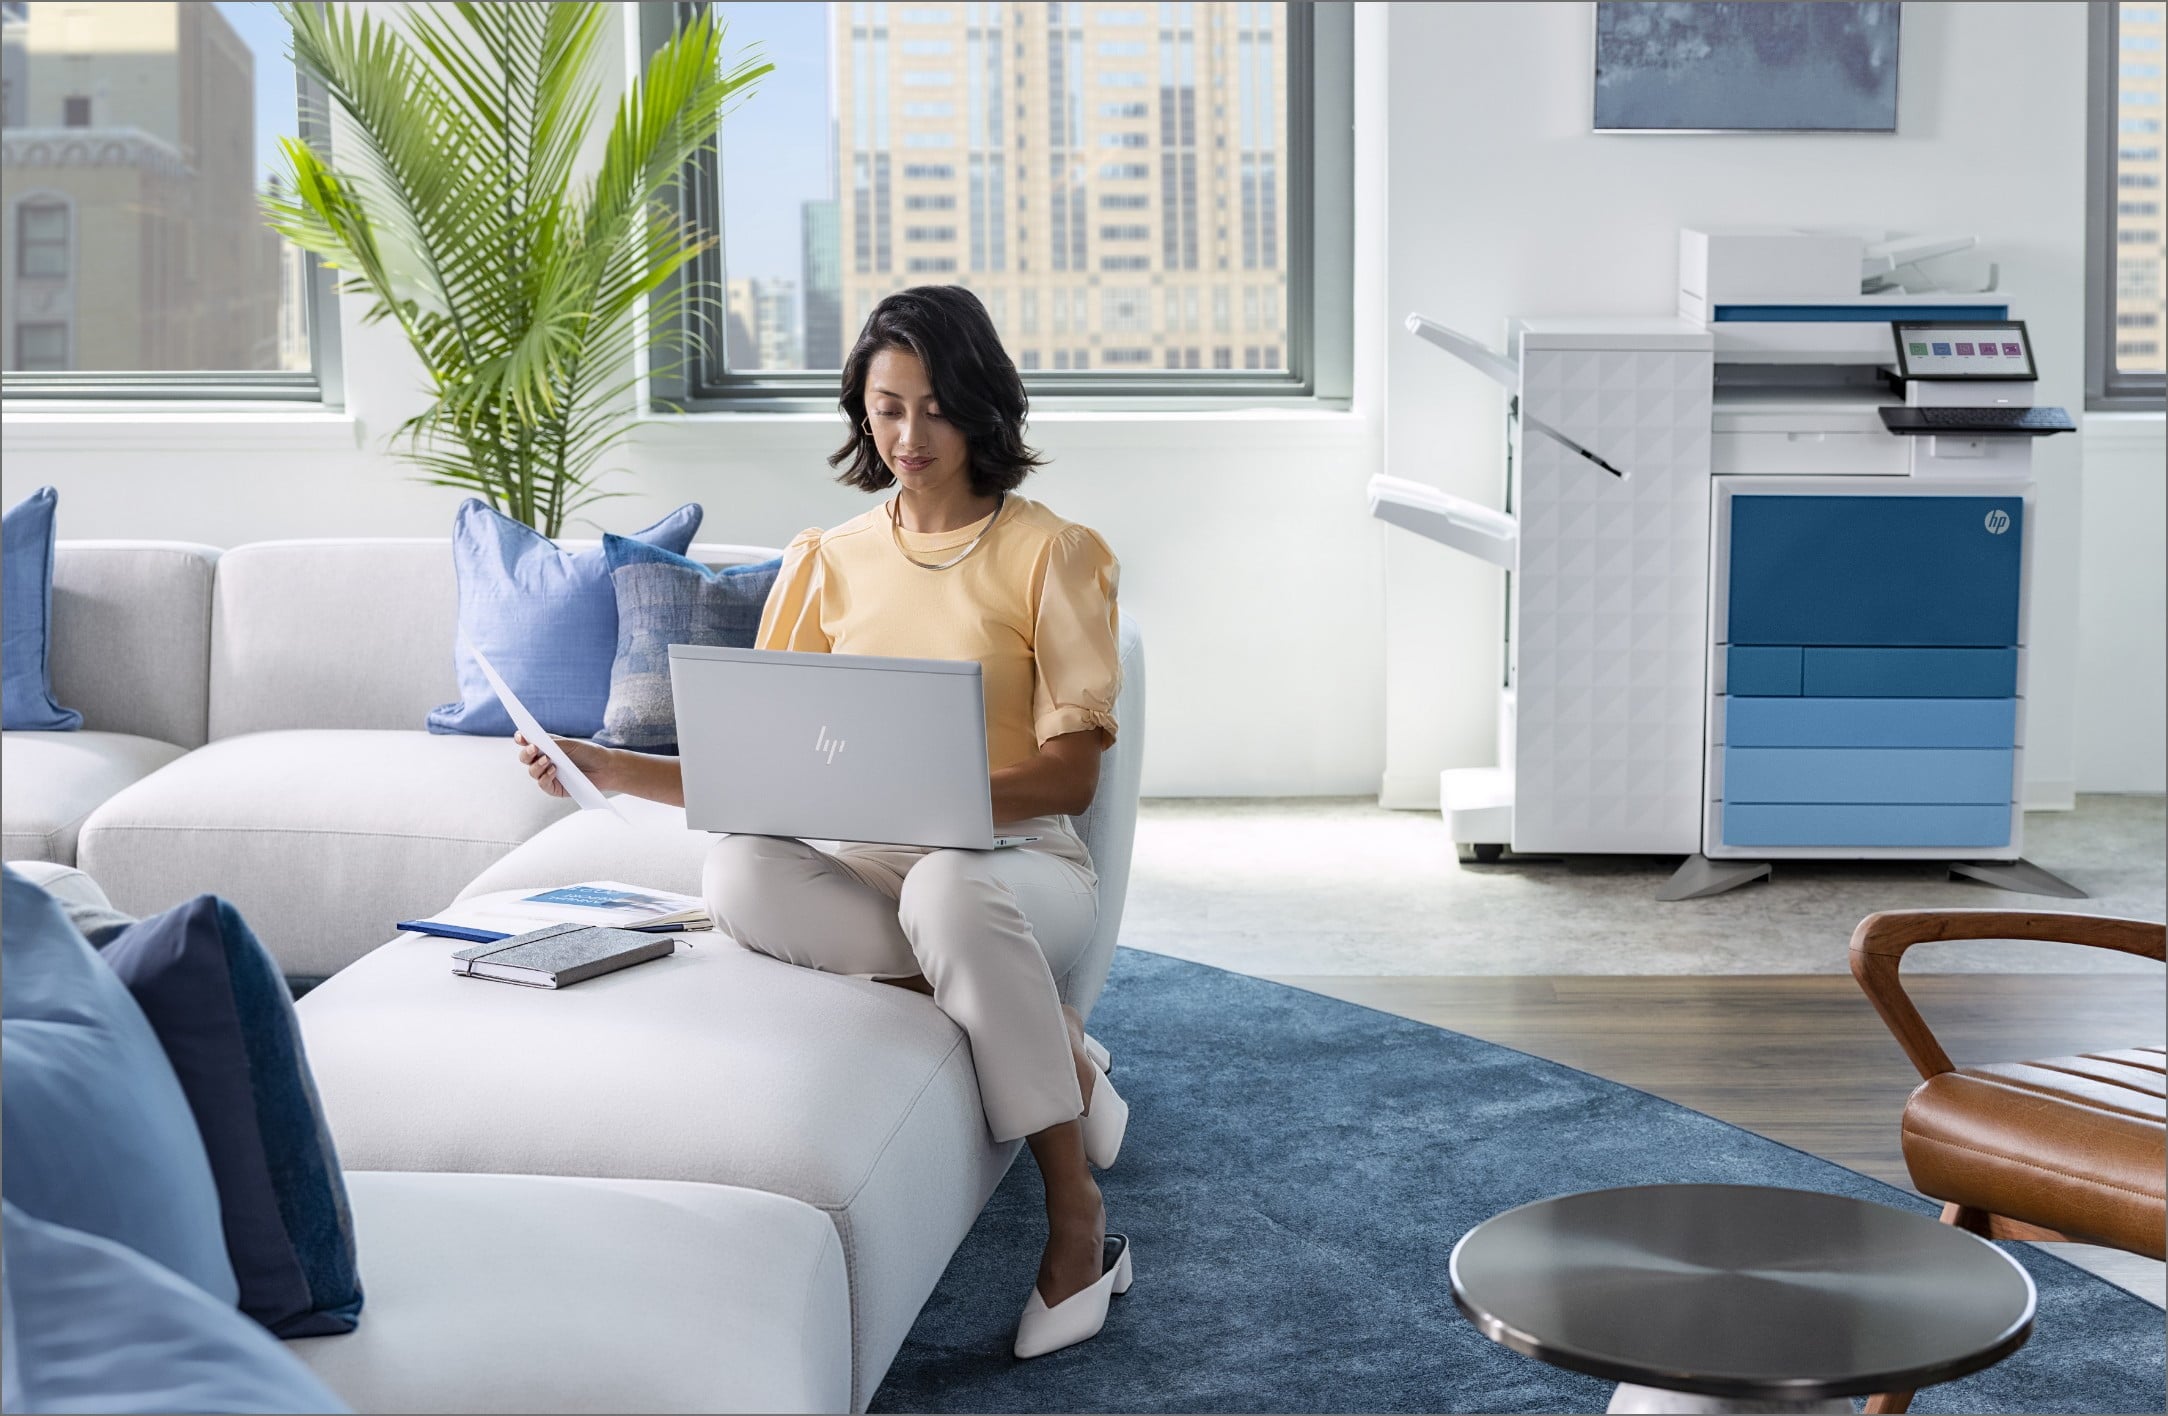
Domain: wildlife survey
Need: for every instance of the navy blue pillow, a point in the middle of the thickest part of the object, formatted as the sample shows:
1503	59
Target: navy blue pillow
26	618
96	1129
221	1009
665	599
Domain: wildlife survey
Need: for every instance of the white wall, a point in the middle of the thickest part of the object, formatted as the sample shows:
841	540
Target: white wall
1295	647
1503	203
2122	708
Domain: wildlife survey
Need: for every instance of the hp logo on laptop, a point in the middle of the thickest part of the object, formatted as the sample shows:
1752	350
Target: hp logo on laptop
1998	521
824	743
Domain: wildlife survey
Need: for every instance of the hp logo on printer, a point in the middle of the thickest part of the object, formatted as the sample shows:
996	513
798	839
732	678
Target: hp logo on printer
824	743
1998	521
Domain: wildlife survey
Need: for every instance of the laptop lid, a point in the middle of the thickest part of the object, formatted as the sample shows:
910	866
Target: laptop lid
833	746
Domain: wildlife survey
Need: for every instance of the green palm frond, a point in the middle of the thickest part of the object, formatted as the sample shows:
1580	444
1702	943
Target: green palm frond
457	205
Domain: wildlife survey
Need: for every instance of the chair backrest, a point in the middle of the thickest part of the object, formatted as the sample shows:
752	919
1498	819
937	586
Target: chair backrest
350	633
1109	828
131	636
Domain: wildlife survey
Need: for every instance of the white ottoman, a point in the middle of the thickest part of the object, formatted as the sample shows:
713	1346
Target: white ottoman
716	1065
534	1293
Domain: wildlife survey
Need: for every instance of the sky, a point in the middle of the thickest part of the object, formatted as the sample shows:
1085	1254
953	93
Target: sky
776	149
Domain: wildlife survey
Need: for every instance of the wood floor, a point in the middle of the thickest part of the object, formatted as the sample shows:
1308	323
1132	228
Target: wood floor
1800	1059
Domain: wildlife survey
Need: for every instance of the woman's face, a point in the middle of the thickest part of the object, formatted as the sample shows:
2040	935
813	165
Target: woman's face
924	450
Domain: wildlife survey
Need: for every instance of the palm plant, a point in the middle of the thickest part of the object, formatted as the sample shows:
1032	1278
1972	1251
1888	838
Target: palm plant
455	204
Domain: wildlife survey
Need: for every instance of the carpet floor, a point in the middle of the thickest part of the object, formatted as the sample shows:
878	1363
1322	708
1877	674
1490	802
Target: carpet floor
1296	1172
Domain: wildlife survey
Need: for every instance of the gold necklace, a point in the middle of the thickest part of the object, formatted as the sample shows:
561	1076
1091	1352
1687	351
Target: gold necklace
895	530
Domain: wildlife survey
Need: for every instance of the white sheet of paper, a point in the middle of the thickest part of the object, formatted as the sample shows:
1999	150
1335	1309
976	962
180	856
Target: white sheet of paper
574	781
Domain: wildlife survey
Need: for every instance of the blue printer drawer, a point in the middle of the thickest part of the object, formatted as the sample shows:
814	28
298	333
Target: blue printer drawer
1930	826
1894	570
1870	722
1868	775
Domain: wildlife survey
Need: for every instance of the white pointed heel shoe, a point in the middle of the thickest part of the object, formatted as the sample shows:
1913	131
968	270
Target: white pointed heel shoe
1097	1052
1106	1121
1078	1317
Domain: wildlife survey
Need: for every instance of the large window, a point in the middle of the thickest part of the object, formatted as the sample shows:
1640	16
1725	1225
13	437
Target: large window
2128	340
1152	199
136	141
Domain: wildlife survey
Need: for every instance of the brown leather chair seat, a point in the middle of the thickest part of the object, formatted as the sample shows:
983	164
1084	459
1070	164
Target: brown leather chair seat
2076	1144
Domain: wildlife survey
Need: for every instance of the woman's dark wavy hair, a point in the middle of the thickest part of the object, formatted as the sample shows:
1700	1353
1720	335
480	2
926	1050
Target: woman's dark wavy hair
973	378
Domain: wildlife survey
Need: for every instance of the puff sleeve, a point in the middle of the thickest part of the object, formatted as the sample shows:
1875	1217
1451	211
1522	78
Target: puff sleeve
791	617
1075	646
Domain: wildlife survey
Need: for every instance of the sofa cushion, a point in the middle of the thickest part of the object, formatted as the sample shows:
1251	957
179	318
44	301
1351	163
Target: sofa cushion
91	1325
215	998
50	782
97	1133
26	557
663	599
539	1293
544	615
132	636
715	1065
651	847
322	838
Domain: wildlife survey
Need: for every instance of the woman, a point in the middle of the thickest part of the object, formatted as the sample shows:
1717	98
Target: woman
955	566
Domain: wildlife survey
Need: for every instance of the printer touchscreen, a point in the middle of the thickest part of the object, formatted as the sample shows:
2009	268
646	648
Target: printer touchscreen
1973	349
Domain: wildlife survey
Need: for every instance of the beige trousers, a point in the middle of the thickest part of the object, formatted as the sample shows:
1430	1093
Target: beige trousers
989	930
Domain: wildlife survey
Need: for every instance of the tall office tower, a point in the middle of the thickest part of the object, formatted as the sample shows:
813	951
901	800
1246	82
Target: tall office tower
762	327
131	237
1110	178
2139	337
821	268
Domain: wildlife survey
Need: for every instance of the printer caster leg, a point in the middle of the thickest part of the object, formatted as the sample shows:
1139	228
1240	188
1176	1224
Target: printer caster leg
2019	875
1699	877
1480	852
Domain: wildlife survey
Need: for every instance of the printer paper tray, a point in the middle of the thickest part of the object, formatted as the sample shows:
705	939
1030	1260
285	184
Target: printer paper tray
1452	521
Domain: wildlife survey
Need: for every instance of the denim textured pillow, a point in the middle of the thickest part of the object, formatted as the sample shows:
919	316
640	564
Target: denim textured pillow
26	618
216	999
96	1131
92	1325
545	616
665	599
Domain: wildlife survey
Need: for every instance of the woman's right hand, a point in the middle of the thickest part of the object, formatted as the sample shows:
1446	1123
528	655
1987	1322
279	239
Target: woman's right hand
590	759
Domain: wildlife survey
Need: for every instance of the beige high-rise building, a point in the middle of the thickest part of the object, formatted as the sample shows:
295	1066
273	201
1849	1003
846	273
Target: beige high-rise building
2140	340
1110	178
131	236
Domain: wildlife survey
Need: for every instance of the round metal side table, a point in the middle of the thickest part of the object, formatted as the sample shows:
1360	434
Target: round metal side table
1748	1297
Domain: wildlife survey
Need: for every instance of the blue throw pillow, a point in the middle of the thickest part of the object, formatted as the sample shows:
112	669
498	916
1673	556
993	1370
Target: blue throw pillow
26	618
215	998
663	599
546	617
96	1132
91	1325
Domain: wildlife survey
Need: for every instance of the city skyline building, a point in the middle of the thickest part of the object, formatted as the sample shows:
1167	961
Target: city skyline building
821	274
762	327
131	236
1110	179
2139	168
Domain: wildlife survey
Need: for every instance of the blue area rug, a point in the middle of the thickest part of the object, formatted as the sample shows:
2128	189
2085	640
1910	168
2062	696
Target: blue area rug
1297	1170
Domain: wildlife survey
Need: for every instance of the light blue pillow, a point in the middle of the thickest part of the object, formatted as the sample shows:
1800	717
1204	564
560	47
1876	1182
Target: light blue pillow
545	616
663	599
91	1325
26	618
96	1131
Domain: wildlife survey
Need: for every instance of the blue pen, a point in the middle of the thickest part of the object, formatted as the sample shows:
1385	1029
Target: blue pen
451	931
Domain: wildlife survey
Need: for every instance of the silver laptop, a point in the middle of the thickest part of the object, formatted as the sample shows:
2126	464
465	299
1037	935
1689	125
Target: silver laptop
845	747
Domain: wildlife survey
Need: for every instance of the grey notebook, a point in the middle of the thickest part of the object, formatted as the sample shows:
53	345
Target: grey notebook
559	955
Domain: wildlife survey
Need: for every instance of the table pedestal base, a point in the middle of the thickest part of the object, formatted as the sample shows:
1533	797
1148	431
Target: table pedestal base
1647	1401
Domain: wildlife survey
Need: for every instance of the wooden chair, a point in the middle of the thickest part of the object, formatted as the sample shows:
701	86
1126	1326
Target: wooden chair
2070	1148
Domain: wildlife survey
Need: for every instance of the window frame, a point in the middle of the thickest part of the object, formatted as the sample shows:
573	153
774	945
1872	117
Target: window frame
322	385
1318	229
2107	388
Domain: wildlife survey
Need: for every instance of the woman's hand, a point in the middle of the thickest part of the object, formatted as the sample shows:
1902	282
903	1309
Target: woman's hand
590	759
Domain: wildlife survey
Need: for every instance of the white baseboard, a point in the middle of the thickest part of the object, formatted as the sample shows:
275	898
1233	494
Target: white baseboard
1409	791
2051	796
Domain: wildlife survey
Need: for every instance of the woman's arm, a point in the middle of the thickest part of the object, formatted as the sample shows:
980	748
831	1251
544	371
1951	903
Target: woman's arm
610	769
1060	781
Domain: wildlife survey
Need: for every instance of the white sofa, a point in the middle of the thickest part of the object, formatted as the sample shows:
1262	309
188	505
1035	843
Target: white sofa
653	1111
